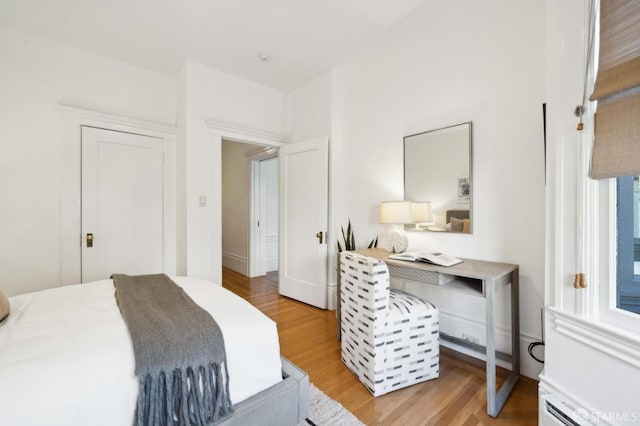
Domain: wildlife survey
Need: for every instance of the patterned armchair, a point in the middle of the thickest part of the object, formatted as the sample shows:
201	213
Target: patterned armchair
390	339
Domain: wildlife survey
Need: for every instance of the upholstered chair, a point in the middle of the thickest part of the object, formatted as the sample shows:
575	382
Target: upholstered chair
390	339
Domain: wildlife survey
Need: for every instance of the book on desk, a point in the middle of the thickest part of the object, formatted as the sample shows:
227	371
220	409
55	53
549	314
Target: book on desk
433	258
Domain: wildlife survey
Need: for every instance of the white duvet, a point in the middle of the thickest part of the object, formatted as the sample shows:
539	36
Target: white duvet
66	355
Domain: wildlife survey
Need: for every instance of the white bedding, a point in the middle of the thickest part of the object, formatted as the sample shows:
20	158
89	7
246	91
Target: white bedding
66	355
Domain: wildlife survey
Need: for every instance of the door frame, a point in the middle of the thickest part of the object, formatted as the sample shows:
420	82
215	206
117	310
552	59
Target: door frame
234	132
70	215
257	236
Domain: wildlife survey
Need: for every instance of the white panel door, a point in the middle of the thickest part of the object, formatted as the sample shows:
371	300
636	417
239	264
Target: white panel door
304	168
122	204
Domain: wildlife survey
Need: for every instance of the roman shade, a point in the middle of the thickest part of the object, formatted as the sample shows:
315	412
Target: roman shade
616	150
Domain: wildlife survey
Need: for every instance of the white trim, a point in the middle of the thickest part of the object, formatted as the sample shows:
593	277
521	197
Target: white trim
242	133
606	300
235	262
70	219
256	235
332	296
463	324
604	338
116	122
587	222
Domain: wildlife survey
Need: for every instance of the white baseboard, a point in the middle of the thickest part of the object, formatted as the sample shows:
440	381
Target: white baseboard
462	327
332	297
529	367
236	263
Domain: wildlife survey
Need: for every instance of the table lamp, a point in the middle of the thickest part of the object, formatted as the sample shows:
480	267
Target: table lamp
397	214
421	214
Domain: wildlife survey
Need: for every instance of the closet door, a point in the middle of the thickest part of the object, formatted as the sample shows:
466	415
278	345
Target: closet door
122	204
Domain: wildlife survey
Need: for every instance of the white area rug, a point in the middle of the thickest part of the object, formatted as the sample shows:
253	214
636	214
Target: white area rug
326	411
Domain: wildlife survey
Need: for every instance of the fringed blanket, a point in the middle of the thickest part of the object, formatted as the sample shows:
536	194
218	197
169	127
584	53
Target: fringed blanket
179	349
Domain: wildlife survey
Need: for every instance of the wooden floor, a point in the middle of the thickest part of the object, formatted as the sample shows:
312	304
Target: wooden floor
308	339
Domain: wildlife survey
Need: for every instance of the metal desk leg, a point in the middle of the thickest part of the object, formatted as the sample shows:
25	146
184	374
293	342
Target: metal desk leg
496	400
490	348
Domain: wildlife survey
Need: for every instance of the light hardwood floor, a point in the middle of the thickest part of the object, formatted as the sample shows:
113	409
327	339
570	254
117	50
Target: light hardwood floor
308	339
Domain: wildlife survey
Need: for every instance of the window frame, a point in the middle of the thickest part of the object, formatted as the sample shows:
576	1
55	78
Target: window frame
627	283
605	261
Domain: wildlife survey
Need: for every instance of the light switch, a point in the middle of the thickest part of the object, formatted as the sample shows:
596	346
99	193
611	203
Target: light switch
203	201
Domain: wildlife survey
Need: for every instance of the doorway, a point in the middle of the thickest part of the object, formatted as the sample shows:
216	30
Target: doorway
249	203
303	171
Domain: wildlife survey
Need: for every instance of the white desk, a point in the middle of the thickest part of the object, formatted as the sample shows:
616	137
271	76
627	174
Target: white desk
478	278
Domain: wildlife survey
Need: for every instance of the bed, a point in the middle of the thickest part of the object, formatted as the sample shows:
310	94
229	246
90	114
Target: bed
66	359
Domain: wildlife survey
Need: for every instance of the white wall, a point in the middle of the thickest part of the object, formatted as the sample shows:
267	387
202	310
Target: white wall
236	194
462	61
36	75
212	94
310	109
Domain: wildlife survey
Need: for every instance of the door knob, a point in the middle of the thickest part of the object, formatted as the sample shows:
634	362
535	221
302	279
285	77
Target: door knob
89	240
319	237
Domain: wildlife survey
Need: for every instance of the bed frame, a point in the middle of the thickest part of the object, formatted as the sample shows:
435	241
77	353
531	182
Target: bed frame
285	403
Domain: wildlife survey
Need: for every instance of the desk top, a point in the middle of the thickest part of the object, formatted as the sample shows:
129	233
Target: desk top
469	268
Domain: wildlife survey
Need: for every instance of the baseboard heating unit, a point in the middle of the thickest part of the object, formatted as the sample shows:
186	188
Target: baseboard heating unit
556	411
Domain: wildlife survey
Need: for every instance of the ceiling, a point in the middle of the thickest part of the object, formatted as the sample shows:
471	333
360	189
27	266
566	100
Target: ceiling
303	38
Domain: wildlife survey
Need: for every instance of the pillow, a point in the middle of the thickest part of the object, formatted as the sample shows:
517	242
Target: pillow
466	225
457	225
5	308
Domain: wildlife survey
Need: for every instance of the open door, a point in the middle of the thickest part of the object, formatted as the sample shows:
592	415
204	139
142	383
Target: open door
304	191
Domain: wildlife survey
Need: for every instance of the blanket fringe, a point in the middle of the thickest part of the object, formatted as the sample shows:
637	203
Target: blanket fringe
184	397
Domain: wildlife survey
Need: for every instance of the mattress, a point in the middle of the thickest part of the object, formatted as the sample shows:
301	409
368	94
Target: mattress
66	356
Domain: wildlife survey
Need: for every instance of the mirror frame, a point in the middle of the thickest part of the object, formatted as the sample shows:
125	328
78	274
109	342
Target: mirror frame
470	145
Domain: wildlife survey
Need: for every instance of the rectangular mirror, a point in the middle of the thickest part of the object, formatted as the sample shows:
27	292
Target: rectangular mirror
437	169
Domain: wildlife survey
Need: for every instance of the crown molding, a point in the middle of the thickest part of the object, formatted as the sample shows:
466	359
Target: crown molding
244	133
95	117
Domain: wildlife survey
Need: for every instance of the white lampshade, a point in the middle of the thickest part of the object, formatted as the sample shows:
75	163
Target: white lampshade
395	212
421	212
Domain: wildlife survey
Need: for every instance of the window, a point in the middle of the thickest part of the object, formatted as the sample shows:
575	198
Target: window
628	244
616	155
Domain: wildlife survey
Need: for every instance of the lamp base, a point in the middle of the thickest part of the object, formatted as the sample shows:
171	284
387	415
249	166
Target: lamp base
394	241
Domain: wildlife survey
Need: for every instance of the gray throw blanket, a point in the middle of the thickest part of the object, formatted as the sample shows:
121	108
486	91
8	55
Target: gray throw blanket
179	349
